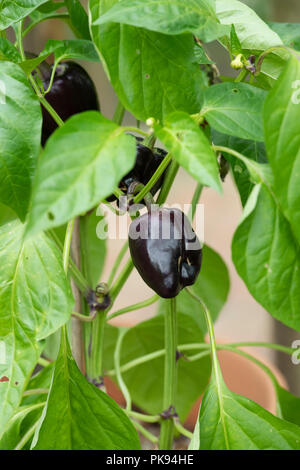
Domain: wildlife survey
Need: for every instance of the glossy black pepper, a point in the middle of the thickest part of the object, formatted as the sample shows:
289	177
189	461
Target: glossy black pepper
72	92
165	250
146	164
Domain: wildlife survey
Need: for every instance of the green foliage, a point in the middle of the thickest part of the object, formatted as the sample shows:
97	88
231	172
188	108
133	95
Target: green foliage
20	138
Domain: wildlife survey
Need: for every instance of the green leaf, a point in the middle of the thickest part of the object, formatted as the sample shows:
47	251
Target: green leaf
235	44
93	249
83	162
8	51
266	256
15	428
145	382
20	138
253	33
235	109
190	147
289	33
35	300
213	294
255	151
288	405
281	117
153	74
79	49
79	19
166	16
40	380
11	12
47	11
232	422
78	416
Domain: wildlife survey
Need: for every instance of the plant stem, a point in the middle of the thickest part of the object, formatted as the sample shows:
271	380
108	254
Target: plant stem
77	275
117	263
241	76
67	245
125	273
119	114
148	435
135	129
143	417
195	200
180	428
117	361
168	181
43	362
27	436
146	189
137	306
167	425
96	359
77	327
36	391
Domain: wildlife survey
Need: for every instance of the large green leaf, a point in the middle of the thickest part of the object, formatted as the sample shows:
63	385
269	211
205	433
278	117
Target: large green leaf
79	416
213	293
153	74
289	33
20	136
11	12
35	300
266	256
79	49
167	16
253	150
288	405
253	33
232	422
281	117
82	164
145	382
79	19
235	109
190	147
8	51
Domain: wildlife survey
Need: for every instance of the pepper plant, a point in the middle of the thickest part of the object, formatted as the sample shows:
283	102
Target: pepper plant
57	344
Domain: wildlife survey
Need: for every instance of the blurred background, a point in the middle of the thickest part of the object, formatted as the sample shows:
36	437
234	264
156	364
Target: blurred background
241	319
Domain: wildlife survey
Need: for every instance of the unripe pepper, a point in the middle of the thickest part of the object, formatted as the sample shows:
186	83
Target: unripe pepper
165	250
72	92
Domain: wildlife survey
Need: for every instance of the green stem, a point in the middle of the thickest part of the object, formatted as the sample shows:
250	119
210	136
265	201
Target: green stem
143	417
117	361
117	263
180	428
124	275
36	391
27	436
146	189
195	200
77	275
241	76
137	306
84	318
168	181
167	425
148	435
67	245
43	362
96	360
119	114
135	129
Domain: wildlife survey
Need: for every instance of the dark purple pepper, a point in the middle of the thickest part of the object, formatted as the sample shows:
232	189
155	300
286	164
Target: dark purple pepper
72	92
146	164
165	250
